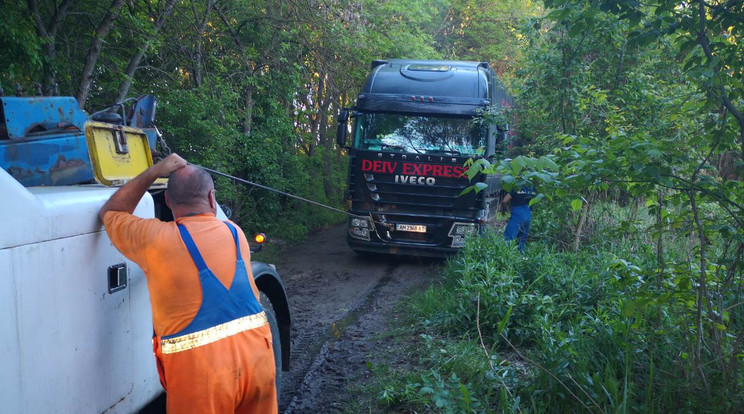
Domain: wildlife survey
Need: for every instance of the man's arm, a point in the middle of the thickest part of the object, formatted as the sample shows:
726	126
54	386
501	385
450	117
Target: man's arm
128	196
507	198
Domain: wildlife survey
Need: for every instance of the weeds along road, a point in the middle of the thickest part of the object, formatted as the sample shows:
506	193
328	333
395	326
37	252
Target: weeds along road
341	304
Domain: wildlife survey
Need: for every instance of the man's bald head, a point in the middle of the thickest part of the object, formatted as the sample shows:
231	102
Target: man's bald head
189	186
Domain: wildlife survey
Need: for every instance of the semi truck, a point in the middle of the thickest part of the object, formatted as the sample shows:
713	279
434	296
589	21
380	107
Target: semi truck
414	126
75	313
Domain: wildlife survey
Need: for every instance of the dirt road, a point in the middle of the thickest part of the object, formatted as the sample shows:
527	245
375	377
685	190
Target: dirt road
340	304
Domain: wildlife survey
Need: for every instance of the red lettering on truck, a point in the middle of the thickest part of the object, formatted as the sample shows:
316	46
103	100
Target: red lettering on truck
385	167
417	169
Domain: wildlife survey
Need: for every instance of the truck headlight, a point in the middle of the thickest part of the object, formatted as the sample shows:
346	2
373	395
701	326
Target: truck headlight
359	228
463	229
459	231
357	222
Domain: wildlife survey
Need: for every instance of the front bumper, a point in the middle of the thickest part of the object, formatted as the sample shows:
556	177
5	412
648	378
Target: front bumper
403	249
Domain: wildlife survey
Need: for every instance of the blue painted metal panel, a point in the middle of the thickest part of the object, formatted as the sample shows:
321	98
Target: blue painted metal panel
60	159
143	116
143	112
44	142
28	118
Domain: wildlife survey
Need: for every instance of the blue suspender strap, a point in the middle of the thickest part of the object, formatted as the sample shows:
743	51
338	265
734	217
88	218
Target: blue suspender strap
189	242
235	238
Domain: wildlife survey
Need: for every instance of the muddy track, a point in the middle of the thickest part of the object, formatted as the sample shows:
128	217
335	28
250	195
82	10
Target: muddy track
341	304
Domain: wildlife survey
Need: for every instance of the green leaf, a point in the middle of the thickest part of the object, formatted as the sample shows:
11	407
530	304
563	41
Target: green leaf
480	187
629	308
504	321
654	153
576	204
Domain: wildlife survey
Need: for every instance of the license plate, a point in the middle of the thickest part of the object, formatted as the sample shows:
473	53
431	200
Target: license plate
416	228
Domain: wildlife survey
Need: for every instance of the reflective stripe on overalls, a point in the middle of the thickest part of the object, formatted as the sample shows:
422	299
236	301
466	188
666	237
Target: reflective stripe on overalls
223	312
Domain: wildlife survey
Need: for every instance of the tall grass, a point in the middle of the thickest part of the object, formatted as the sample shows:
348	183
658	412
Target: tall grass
601	330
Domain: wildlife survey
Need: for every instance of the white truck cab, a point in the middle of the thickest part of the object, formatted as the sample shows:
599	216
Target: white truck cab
75	315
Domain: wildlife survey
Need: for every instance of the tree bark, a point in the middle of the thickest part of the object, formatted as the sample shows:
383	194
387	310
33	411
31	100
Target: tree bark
86	78
49	34
201	25
135	60
702	290
248	110
249	65
580	225
326	142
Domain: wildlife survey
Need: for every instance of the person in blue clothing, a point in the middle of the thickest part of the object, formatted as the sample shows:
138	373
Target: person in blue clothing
518	226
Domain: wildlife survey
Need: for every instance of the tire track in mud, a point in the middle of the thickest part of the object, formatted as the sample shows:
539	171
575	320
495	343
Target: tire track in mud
341	304
322	377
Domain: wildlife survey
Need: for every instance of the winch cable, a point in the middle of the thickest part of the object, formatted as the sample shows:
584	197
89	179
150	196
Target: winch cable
167	150
232	177
315	203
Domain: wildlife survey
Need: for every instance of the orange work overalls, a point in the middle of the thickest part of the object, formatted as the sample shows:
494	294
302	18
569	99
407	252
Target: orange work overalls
222	362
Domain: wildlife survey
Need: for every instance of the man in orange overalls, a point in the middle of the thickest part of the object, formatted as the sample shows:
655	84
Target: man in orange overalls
212	340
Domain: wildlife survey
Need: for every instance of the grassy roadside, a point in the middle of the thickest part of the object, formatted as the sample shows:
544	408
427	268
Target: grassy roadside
545	332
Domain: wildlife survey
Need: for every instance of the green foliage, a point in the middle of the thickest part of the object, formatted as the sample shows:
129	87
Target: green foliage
248	88
20	48
593	332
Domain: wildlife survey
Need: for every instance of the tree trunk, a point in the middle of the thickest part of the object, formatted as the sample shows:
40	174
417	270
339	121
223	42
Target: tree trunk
248	110
86	78
49	34
137	57
705	45
201	26
580	225
327	144
660	263
249	65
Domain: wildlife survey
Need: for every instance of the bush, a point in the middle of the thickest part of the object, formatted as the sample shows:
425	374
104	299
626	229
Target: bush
561	332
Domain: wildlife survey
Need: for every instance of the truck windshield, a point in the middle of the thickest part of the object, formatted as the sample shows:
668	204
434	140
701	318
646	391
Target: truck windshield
419	134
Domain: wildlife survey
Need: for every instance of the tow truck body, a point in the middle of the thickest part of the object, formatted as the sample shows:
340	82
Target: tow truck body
75	313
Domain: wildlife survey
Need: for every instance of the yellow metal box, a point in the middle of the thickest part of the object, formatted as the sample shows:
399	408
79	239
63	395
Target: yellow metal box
118	153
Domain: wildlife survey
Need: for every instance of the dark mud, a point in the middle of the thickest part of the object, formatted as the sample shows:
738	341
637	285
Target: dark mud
341	306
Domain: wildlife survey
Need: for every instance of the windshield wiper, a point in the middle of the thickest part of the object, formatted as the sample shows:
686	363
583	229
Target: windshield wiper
443	151
396	147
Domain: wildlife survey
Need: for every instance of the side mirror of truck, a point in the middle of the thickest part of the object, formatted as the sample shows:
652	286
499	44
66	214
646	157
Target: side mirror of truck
342	129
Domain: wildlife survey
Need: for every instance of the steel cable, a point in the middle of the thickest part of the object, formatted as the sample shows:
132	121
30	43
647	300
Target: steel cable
315	203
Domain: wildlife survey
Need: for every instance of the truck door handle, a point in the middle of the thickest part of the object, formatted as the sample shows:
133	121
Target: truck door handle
117	277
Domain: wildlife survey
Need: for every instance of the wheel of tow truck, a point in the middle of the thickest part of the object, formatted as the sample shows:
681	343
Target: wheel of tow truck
275	340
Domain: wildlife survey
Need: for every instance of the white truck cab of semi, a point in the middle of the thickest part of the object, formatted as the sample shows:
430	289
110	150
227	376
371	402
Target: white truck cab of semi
74	313
75	316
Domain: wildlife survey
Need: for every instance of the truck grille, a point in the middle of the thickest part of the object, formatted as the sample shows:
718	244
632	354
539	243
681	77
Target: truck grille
380	192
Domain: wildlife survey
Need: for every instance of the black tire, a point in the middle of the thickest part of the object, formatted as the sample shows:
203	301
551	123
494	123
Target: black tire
276	341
